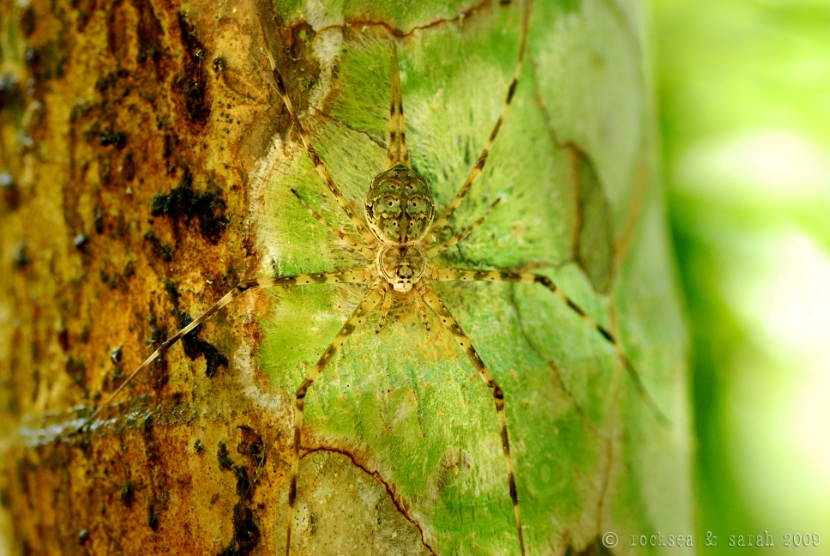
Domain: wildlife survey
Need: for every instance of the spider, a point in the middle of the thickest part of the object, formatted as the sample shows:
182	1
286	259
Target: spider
398	237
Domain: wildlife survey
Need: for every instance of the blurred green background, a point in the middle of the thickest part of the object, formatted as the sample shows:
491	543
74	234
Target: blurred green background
745	112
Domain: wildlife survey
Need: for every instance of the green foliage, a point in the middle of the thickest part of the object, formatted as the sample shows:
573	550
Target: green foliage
745	121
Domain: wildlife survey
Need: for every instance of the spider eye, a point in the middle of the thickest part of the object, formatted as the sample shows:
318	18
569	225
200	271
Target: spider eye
414	204
390	203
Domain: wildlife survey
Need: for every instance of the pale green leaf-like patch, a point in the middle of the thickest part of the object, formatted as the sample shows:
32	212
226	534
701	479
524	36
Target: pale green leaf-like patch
589	455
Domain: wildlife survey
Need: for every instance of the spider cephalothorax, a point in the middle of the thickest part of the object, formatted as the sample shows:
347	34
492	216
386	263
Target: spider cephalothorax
402	266
399	206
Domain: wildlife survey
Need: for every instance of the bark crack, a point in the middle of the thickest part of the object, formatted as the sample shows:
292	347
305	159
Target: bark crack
632	214
403	34
557	370
597	260
400	504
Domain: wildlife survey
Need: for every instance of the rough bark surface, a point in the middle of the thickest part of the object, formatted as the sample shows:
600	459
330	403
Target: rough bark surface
146	168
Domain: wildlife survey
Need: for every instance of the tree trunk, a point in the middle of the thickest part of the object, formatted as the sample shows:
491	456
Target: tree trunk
147	168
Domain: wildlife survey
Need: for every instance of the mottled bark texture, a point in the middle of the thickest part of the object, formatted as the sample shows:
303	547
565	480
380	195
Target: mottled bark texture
146	168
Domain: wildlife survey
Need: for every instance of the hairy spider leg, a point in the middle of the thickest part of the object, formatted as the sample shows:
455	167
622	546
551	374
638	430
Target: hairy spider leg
397	152
371	300
462	274
384	310
439	224
434	302
339	233
433	251
422	308
357	275
344	203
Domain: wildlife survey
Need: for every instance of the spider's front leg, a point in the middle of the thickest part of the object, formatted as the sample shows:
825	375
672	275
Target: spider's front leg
434	302
356	275
468	275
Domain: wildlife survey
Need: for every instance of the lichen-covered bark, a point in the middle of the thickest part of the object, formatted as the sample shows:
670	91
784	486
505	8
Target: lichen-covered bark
147	167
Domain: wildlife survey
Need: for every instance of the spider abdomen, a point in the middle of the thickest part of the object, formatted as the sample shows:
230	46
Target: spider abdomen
399	206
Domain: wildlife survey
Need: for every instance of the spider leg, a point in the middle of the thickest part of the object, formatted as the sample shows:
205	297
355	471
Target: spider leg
371	300
433	251
384	310
344	203
358	275
397	152
434	302
482	159
422	308
461	274
339	233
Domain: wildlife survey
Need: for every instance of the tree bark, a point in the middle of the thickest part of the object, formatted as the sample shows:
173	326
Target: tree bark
147	168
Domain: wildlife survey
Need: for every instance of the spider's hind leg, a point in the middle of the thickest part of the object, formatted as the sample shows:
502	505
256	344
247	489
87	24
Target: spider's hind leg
371	301
434	302
463	274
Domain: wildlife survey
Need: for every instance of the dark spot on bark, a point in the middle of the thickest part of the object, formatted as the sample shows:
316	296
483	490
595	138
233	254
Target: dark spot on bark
127	494
113	138
199	447
85	10
184	204
128	166
224	457
152	517
116	354
172	292
246	533
20	259
147	431
98	220
252	446
63	338
195	347
80	241
10	93
219	64
150	33
27	20
105	84
76	369
163	251
10	191
191	83
46	60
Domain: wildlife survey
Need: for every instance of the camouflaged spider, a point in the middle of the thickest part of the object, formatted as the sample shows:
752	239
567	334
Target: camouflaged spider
398	237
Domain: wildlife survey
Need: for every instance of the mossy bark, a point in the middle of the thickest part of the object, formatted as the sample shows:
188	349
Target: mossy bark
147	167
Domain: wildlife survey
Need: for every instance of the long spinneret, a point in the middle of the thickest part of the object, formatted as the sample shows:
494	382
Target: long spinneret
399	240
